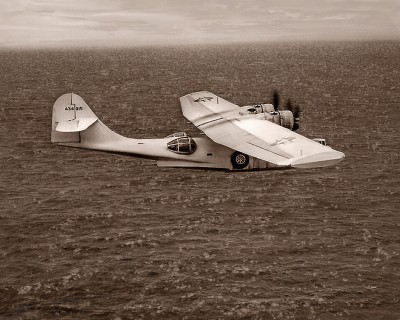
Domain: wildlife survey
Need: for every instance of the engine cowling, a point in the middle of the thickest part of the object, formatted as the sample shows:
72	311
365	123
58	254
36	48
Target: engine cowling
286	119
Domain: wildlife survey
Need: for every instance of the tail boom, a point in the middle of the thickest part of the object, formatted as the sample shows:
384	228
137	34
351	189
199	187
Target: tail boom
74	124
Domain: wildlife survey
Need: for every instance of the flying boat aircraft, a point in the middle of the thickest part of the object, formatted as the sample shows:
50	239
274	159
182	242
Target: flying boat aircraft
235	138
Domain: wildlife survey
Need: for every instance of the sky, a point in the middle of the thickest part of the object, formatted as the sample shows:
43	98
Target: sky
109	23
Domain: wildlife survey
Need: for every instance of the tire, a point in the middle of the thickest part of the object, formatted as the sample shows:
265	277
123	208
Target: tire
239	160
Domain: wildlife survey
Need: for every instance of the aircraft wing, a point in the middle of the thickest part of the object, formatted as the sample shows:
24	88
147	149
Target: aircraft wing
205	107
220	120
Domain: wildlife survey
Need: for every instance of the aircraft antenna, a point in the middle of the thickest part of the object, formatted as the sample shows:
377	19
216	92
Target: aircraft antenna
73	107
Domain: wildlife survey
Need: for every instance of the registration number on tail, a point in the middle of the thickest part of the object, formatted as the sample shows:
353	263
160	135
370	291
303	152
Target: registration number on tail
73	108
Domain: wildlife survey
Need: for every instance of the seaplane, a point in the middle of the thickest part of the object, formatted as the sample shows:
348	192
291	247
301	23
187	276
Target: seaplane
253	137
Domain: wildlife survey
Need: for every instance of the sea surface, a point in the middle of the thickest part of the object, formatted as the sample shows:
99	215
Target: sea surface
91	235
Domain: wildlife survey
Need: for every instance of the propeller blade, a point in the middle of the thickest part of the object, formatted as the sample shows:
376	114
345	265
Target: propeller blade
289	105
296	112
275	100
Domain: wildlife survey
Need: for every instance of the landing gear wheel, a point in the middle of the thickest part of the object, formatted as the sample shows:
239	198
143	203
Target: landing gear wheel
239	160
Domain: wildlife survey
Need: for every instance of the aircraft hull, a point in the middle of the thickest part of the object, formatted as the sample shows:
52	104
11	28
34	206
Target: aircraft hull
208	154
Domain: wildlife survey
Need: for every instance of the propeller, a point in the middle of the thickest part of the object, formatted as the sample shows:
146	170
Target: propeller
295	109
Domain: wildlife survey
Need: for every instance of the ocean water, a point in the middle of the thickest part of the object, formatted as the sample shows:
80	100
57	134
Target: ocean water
90	235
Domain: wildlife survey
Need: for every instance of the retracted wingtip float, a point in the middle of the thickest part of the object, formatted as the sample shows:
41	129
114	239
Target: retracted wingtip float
236	138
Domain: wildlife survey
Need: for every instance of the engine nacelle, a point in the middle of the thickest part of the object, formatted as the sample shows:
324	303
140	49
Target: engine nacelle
257	108
266	111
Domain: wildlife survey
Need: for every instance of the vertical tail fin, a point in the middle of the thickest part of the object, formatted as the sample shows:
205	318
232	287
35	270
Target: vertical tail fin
71	115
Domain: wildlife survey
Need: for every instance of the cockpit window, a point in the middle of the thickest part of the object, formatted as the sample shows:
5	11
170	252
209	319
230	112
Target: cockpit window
320	141
182	145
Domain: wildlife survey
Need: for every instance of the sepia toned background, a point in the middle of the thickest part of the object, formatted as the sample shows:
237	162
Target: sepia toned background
49	23
90	235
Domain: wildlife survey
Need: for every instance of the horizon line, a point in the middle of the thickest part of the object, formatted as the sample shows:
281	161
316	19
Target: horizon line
180	44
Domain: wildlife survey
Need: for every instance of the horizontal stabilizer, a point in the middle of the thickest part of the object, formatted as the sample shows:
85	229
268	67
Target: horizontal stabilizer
75	125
